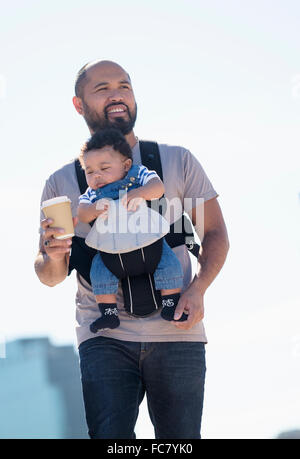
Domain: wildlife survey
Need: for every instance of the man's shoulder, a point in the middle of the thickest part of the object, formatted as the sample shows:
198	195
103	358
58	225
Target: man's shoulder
64	180
172	154
64	171
167	147
167	150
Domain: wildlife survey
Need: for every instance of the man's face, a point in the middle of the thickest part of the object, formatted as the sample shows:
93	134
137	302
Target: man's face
108	99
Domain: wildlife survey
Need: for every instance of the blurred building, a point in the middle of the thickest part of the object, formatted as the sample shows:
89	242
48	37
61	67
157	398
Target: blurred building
289	435
40	391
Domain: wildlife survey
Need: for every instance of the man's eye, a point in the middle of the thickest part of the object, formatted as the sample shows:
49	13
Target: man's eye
105	168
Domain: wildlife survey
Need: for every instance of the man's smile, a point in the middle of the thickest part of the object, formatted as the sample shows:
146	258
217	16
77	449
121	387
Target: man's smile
116	110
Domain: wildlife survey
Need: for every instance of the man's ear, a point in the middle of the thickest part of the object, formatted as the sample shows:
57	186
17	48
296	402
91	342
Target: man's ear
77	102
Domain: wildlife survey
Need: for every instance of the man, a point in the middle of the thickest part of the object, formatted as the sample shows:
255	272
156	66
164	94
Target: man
165	360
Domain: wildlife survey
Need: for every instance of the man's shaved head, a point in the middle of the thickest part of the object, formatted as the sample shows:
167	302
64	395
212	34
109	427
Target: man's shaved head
104	97
82	75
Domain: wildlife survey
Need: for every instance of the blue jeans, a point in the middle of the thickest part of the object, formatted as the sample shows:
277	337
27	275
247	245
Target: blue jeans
116	375
168	273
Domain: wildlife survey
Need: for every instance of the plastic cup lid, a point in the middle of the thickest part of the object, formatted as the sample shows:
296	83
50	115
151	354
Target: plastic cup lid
57	200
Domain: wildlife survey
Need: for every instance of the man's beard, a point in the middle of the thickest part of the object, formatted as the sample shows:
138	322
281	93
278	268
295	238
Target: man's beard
95	122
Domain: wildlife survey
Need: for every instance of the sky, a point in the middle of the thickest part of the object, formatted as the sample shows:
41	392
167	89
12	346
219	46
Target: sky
219	78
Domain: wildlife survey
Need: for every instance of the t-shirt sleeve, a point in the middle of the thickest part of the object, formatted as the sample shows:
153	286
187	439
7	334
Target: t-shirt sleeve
145	175
85	198
47	193
196	182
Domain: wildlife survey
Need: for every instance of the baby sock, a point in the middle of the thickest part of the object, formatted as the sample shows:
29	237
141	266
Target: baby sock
169	303
109	318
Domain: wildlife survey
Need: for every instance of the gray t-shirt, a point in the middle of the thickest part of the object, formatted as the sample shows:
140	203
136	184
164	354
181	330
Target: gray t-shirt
183	177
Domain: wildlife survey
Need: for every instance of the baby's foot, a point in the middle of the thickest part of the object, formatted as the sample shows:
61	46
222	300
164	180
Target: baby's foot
109	318
169	303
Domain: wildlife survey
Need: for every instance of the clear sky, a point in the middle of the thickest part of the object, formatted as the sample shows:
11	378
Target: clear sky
223	80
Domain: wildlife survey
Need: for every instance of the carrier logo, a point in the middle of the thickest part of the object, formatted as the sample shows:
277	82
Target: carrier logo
169	303
111	311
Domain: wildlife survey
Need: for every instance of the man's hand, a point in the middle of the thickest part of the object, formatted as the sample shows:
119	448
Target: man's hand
51	264
191	302
212	255
56	249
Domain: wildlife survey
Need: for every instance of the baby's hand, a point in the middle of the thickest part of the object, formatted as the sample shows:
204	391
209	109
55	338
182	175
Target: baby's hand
132	201
133	204
102	206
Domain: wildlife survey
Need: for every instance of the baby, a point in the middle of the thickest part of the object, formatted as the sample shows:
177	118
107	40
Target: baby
107	161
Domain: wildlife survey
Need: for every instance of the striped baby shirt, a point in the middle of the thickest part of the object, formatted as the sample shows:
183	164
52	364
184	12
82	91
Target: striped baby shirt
144	176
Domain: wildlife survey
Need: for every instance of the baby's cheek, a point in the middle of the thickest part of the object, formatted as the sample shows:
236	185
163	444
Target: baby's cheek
90	182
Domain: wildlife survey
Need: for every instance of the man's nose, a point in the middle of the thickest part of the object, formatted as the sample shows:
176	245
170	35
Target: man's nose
115	96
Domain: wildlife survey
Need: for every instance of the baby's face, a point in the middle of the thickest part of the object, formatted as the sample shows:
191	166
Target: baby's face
105	166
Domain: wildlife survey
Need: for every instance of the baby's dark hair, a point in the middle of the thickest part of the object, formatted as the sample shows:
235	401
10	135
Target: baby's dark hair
107	137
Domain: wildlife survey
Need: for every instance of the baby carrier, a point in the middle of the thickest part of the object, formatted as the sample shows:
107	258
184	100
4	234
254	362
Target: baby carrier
134	269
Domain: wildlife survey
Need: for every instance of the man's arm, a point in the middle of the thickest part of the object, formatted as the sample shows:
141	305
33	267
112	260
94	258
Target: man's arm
212	256
51	272
214	245
52	262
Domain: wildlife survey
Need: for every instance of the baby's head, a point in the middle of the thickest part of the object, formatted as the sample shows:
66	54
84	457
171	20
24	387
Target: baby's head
106	157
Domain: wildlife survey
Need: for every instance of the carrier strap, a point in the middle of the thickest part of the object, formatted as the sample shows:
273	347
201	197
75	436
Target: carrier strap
82	183
150	157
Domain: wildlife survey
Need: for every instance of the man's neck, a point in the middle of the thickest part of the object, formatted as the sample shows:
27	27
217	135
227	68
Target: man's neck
131	139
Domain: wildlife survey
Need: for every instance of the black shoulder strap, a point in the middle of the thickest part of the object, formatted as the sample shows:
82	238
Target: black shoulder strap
80	176
150	156
81	180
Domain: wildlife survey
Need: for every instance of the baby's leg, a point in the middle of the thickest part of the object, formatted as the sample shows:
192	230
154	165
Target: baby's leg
169	291
105	286
108	298
169	280
109	315
170	300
